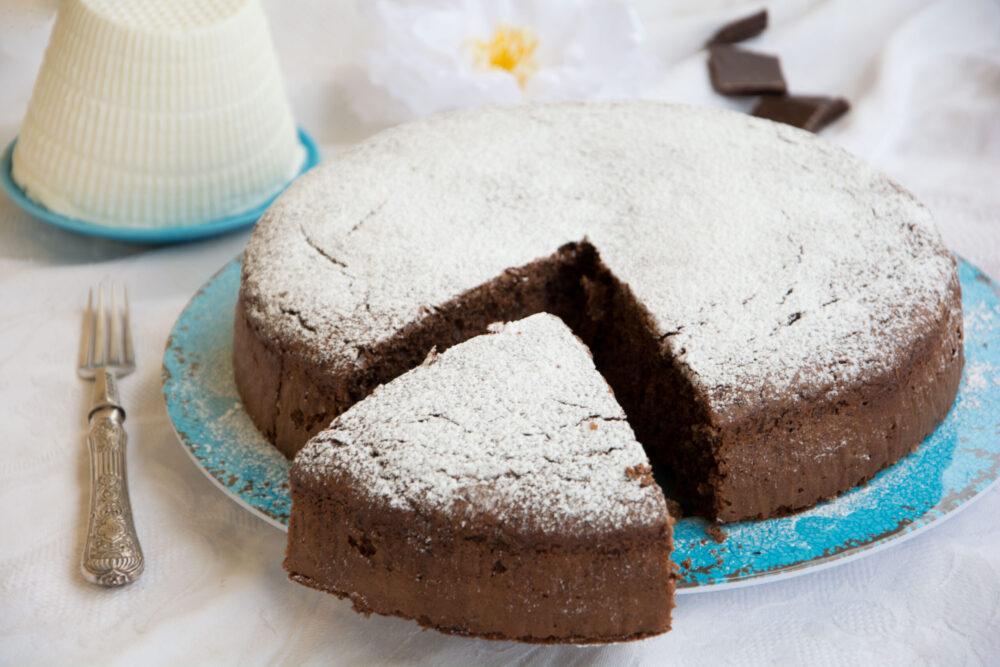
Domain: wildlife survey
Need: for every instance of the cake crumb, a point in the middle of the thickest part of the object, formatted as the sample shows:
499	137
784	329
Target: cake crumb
641	472
675	508
715	531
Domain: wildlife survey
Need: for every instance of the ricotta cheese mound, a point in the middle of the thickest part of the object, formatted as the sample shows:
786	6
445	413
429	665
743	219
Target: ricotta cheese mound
159	113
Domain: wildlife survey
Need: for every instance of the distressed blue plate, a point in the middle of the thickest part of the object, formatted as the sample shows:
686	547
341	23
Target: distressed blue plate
151	234
959	461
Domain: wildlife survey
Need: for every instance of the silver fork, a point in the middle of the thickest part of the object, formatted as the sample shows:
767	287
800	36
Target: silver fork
112	556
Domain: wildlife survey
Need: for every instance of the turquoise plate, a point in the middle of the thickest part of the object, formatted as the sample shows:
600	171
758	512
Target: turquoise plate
958	462
151	234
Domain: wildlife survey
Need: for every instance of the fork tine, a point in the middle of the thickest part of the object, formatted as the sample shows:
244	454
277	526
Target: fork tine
127	331
100	339
114	333
86	355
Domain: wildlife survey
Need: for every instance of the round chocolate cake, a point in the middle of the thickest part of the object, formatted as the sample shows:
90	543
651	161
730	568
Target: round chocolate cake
778	320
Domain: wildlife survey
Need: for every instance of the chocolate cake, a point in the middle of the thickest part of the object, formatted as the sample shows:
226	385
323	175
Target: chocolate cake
778	319
496	490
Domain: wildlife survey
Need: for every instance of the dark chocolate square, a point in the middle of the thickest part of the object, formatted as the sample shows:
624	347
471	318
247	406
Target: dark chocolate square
811	113
736	71
744	28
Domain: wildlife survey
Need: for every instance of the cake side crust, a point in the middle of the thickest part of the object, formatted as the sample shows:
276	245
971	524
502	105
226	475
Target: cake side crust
791	456
454	579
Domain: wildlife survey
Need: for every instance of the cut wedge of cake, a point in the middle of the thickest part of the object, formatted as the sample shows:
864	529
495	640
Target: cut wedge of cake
496	490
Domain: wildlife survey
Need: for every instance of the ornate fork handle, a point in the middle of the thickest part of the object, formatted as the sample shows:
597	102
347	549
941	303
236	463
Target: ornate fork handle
112	556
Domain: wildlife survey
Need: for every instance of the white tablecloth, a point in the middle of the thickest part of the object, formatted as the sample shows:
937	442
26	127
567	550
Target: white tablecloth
924	81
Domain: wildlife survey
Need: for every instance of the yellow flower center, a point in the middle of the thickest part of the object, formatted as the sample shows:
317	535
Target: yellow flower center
510	49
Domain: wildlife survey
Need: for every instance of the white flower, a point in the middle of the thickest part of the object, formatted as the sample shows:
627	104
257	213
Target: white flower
430	56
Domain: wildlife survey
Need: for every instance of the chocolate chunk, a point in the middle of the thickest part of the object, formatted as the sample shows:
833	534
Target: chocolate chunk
811	113
736	71
744	28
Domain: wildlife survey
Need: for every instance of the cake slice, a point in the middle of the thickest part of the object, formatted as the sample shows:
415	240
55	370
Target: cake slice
496	490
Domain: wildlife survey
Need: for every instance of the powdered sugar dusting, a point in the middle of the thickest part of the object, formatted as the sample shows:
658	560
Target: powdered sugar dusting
773	264
977	376
515	425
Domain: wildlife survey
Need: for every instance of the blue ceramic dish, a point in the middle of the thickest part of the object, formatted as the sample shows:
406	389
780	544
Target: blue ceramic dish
144	235
957	463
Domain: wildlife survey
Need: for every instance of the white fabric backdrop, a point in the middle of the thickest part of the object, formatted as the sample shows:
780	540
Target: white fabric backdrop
924	79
